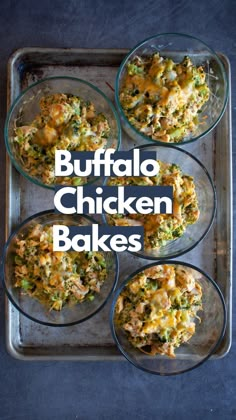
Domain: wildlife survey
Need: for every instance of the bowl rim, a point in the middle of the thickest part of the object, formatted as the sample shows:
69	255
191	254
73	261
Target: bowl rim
129	278
18	99
117	84
141	254
3	264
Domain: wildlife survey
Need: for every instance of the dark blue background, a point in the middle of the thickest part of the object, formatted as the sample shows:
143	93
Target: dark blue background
66	391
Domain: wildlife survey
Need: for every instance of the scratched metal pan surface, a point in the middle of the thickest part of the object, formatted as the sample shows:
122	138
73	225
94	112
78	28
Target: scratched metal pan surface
92	340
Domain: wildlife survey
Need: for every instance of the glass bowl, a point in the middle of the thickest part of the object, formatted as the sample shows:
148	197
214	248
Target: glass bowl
26	106
203	343
31	307
176	46
206	196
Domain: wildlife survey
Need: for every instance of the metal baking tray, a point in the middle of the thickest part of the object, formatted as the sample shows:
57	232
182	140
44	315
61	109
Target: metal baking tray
92	340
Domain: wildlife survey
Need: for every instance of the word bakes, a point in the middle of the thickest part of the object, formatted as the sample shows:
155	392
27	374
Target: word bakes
114	200
106	163
98	238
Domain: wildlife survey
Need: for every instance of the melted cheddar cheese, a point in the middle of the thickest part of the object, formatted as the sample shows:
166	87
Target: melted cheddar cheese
56	278
162	99
160	228
158	308
65	122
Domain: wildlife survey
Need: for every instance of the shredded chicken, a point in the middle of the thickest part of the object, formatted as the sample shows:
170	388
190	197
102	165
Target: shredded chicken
56	278
163	99
158	308
161	228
